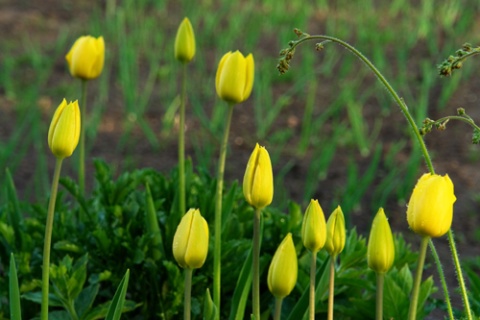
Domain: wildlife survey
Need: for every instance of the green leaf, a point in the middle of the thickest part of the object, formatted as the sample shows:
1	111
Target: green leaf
242	289
152	226
85	299
53	300
115	309
15	307
209	308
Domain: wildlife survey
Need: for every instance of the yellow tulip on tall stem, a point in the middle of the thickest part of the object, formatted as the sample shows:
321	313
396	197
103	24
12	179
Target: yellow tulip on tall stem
85	61
63	136
233	83
258	191
184	52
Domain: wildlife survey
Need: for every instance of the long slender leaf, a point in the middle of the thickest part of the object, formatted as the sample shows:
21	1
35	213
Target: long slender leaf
15	309
14	214
115	310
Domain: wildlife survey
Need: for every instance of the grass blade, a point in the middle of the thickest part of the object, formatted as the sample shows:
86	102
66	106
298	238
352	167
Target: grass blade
115	310
15	309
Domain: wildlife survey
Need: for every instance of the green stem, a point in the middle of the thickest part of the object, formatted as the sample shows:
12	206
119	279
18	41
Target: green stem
442	279
458	269
379	302
181	144
467	120
81	164
48	239
313	269
256	264
278	309
387	85
218	215
71	310
188	294
412	312
331	292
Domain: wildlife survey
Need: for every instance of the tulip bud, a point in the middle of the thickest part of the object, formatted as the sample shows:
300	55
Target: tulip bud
86	57
64	131
381	248
234	79
258	179
190	243
335	232
185	42
282	274
314	228
430	209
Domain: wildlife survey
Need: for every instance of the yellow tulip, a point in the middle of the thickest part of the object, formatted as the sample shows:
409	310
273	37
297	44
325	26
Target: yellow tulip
430	209
314	227
282	274
86	57
335	232
185	42
234	79
190	243
64	131
258	178
381	248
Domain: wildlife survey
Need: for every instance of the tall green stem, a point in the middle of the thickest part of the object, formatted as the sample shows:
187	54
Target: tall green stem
48	239
218	215
278	309
188	294
81	163
412	312
256	264
313	271
331	288
442	279
387	85
461	282
181	144
379	297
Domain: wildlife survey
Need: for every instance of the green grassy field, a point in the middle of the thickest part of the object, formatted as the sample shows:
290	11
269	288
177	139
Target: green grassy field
332	130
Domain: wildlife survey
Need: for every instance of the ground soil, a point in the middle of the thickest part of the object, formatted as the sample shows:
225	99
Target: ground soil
453	153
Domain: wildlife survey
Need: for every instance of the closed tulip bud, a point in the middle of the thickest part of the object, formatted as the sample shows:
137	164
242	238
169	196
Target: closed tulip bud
335	232
381	249
234	79
190	243
430	209
185	42
314	227
64	131
258	179
282	274
86	57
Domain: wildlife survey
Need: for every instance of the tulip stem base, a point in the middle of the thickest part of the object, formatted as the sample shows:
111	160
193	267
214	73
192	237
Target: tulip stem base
181	145
218	215
379	296
313	271
412	312
441	275
458	269
48	239
331	288
256	264
188	294
278	309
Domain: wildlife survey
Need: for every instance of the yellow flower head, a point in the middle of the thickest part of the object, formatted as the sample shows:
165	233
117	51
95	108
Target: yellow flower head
336	233
314	227
185	42
430	209
64	131
234	79
190	243
258	179
86	57
381	248
282	274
